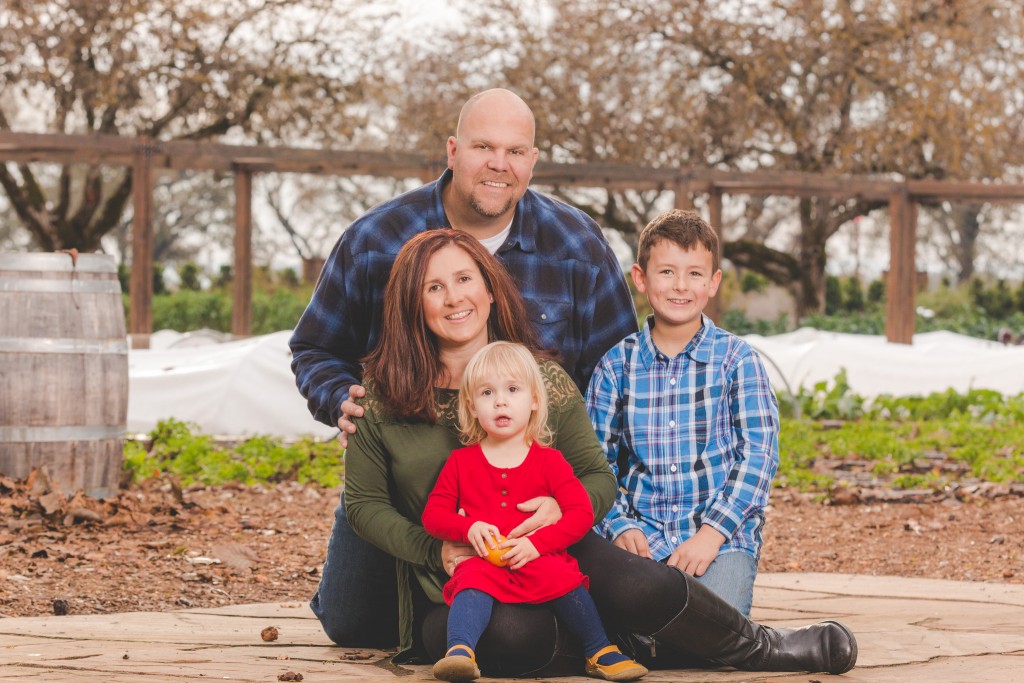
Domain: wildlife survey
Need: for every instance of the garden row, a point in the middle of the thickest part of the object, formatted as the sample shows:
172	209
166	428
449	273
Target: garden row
828	435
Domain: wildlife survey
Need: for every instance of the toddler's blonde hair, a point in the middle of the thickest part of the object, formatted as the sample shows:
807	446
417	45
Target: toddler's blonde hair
504	359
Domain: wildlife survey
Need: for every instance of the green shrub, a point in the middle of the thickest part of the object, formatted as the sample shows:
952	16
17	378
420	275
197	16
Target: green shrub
752	282
187	310
833	295
737	322
277	310
853	295
190	276
876	292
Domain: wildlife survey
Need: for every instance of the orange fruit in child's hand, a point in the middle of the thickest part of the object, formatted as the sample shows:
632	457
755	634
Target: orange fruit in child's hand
494	554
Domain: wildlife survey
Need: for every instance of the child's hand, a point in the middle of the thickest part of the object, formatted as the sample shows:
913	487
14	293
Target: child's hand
695	554
519	551
483	536
634	541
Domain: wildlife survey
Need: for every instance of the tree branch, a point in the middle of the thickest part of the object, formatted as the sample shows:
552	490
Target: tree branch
779	267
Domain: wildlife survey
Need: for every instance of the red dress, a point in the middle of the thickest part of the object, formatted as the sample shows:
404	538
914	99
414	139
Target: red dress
490	494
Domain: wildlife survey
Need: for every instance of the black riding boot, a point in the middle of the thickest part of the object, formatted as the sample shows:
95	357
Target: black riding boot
709	628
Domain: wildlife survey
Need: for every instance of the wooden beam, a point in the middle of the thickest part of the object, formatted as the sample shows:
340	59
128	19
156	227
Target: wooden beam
140	315
147	156
796	184
241	287
952	190
900	290
187	154
209	156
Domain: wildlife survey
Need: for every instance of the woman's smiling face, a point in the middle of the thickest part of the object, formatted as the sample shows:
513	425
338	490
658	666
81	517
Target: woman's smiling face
456	303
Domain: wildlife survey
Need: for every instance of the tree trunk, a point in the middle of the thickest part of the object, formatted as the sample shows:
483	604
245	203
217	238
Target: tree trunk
966	227
814	231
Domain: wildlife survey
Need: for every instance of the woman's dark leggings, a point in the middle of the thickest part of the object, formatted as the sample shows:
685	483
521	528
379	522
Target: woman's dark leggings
471	611
632	594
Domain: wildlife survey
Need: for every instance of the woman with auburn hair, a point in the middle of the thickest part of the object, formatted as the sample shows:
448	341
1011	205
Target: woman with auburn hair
404	364
446	298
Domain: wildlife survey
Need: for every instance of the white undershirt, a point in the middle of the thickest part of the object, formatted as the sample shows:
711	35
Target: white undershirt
494	242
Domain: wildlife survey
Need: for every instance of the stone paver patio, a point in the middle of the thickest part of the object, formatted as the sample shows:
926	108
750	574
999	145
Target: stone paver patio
908	630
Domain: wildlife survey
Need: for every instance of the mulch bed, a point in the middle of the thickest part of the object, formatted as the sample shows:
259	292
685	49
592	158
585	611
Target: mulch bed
158	547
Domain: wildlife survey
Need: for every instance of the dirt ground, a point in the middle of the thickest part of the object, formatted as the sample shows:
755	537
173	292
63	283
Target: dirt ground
156	547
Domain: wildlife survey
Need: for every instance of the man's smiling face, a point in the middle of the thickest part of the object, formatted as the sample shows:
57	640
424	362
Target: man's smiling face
492	158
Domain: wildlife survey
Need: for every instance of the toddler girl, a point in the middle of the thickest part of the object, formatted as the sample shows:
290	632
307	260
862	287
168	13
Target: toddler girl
503	413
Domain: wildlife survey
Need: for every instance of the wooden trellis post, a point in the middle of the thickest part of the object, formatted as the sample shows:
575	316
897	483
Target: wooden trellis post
683	198
241	286
901	291
140	318
714	307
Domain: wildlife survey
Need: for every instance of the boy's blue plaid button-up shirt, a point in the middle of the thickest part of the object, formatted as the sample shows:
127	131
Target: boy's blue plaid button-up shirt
698	434
568	274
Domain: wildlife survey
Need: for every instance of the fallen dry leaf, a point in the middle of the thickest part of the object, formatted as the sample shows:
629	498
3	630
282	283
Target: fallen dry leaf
236	556
79	514
355	656
51	502
289	676
269	634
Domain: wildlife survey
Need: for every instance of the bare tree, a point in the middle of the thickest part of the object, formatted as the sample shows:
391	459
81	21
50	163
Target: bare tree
180	69
867	88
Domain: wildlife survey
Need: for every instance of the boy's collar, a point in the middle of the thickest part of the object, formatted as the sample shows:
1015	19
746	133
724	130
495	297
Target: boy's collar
695	348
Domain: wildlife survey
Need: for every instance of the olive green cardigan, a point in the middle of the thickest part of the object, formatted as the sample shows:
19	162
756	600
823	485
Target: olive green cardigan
391	466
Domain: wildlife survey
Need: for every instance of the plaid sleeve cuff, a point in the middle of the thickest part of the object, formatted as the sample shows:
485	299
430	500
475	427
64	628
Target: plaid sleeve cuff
721	520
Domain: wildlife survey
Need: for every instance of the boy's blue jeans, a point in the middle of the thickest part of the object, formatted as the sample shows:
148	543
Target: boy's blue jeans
731	576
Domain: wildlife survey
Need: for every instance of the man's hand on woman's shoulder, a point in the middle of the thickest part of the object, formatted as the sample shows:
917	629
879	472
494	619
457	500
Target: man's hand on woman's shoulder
350	409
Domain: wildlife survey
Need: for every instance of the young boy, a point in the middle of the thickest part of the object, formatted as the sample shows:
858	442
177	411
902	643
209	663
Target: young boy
688	420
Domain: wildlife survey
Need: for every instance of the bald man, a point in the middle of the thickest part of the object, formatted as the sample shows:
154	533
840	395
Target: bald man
573	285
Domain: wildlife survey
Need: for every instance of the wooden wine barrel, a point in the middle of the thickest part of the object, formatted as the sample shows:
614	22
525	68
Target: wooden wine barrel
63	370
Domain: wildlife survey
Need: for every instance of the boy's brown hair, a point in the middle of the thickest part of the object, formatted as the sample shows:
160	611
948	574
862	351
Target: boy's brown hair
684	228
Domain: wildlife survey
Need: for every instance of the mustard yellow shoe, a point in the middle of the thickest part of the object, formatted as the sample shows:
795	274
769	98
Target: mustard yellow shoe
460	668
626	670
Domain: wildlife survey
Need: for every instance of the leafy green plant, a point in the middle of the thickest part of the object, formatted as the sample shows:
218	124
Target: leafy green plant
978	434
826	400
911	442
172	448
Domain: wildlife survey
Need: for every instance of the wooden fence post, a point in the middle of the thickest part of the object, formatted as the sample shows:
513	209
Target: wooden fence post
140	315
714	309
900	293
683	198
241	288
